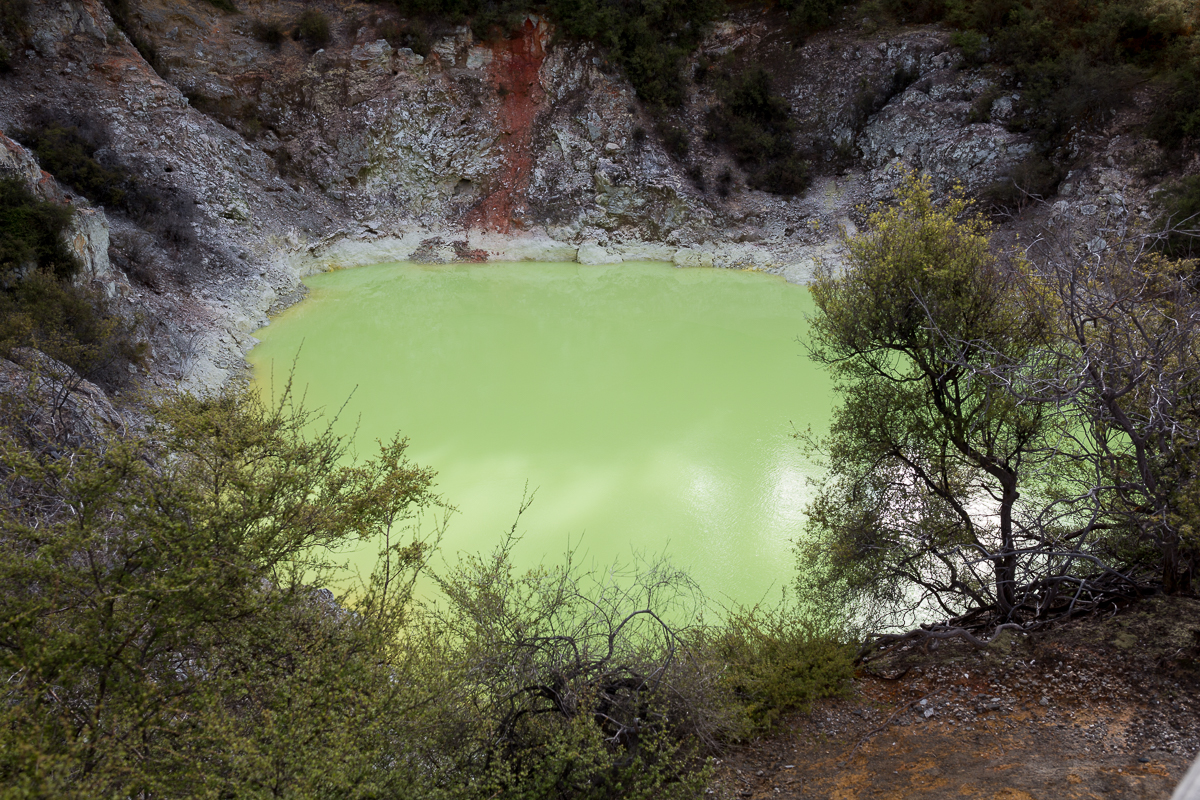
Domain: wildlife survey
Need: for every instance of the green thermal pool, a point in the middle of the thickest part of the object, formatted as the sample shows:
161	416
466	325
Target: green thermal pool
651	408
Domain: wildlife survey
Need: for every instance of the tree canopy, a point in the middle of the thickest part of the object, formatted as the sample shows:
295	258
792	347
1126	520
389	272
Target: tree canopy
977	471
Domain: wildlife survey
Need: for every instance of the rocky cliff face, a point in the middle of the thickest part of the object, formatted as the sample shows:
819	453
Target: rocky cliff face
530	147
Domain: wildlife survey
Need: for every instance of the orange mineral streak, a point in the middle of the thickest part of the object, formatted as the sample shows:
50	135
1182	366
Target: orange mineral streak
514	72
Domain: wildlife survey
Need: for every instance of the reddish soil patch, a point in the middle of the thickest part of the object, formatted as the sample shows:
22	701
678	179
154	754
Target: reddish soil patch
1095	709
514	72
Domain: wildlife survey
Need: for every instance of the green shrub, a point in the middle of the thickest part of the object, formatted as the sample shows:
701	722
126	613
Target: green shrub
972	45
1075	61
1177	115
674	139
223	5
918	12
72	324
780	660
312	26
1069	92
67	154
757	126
32	235
166	589
39	307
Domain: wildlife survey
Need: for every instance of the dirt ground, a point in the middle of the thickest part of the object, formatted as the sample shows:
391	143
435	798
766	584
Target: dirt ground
1096	708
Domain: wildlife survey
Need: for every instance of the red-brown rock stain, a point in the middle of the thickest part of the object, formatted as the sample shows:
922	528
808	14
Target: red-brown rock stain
515	73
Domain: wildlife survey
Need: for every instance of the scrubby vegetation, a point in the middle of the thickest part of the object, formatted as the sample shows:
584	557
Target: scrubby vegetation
165	619
1075	62
68	154
239	115
414	36
68	149
312	27
40	307
268	32
14	16
756	124
648	41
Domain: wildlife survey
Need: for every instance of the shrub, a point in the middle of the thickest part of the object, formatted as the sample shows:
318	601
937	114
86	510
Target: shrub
270	33
32	235
69	155
1068	92
67	149
313	27
205	605
14	19
414	36
193	624
780	660
72	324
224	5
757	127
674	139
1177	115
807	16
971	43
39	307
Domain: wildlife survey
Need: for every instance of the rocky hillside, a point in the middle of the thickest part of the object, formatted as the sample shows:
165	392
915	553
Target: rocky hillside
281	158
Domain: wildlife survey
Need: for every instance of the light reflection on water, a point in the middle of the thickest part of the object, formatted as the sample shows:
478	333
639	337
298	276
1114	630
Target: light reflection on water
650	407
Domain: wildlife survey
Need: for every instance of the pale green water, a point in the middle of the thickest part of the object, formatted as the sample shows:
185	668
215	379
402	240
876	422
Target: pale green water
650	407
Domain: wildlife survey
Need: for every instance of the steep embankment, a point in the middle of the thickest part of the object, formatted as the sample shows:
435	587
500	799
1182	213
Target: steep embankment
283	159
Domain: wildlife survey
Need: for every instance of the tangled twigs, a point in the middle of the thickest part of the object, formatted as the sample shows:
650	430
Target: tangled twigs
935	633
888	722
